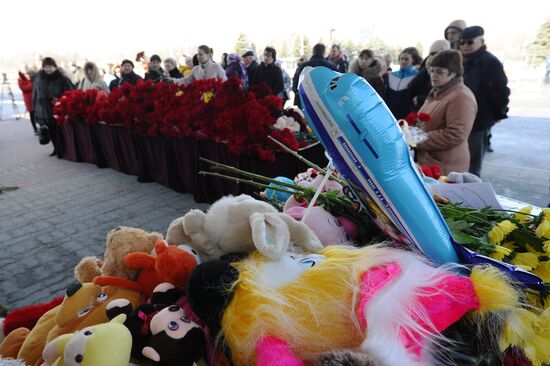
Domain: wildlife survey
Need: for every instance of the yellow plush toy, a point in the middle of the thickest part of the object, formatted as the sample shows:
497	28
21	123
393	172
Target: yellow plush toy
103	344
83	306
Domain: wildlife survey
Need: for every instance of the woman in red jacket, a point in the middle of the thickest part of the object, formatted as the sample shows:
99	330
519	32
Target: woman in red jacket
25	84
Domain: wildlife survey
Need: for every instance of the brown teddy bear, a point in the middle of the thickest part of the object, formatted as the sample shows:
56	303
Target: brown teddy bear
120	242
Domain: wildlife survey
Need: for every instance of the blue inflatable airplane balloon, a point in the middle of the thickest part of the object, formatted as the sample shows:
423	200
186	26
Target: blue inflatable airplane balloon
368	149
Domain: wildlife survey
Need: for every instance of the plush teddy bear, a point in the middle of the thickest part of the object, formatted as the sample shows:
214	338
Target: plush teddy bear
170	263
120	242
241	224
103	344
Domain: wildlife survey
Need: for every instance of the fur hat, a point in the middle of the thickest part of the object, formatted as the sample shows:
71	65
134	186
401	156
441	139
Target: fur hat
472	32
440	45
126	61
48	61
456	24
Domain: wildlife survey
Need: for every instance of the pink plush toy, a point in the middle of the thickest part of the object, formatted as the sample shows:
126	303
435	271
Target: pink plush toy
329	229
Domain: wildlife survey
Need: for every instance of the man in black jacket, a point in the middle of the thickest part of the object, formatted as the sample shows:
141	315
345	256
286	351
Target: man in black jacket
270	73
484	75
251	66
318	59
128	75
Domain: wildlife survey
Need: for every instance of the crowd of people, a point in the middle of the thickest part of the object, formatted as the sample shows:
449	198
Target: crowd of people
460	84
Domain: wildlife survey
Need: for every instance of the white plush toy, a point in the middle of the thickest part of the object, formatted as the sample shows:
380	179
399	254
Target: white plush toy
241	224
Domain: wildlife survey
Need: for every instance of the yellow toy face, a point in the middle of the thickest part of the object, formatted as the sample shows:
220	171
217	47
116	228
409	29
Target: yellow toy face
103	344
86	305
78	303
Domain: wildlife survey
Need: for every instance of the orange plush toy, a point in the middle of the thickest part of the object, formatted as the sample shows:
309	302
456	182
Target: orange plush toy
171	264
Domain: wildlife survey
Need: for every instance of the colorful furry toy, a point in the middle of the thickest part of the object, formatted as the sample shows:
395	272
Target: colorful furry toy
389	306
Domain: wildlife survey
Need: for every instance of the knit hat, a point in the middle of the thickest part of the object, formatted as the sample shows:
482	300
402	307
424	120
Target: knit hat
233	57
472	32
48	61
127	62
440	45
155	58
456	24
248	53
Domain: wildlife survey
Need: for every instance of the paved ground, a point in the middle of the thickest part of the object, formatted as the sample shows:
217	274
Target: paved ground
62	212
520	166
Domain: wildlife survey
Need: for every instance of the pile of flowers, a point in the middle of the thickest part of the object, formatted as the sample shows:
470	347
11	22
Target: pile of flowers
205	109
516	237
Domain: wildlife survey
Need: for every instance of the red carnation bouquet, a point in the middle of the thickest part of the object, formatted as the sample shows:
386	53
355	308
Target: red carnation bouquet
413	134
205	109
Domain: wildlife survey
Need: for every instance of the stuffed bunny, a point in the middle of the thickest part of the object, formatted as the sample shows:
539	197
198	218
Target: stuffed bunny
241	224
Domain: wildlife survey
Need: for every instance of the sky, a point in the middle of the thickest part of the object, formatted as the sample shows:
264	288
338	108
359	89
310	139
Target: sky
112	29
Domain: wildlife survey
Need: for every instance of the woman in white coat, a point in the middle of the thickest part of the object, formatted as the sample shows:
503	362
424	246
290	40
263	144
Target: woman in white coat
206	69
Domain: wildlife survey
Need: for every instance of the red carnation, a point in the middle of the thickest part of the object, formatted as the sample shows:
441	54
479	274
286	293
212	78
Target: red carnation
140	55
433	171
411	119
424	117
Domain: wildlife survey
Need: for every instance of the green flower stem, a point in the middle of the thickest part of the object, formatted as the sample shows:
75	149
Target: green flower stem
305	161
245	181
298	156
512	211
230	169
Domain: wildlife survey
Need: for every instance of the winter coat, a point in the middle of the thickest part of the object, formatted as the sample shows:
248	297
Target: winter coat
420	87
114	84
98	84
252	70
342	64
484	75
45	89
94	81
208	70
398	97
154	75
314	61
176	73
453	109
234	71
131	78
25	84
371	73
273	76
286	83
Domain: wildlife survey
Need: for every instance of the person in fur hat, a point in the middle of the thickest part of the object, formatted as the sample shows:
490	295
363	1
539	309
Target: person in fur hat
92	80
48	86
370	68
